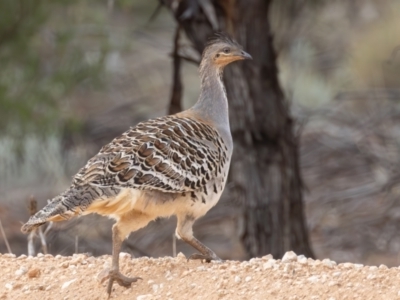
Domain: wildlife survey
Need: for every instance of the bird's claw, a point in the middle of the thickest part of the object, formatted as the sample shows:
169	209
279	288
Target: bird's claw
207	258
122	280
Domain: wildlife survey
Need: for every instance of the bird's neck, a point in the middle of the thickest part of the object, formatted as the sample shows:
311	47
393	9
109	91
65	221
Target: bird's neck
212	104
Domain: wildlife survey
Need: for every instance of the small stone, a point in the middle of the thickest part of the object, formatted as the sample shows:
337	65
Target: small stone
336	274
313	279
383	267
331	283
155	288
301	259
74	262
316	263
9	286
123	255
247	279
289	256
49	287
238	279
144	297
103	275
26	288
21	271
328	263
67	284
64	264
221	292
288	267
40	254
17	285
267	257
179	256
9	255
201	268
269	264
23	256
168	274
34	273
373	268
358	266
347	265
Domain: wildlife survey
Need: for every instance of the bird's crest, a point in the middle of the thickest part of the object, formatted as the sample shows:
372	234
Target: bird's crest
221	37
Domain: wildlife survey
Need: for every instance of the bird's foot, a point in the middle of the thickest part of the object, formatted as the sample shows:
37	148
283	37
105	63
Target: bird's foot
207	258
112	276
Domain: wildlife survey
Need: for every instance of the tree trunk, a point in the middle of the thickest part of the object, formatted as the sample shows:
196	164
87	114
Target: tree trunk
264	176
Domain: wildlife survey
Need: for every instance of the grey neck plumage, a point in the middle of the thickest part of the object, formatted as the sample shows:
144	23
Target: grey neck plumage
212	103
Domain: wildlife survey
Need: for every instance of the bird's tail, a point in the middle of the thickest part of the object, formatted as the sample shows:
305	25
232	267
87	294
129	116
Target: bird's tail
67	205
57	209
72	202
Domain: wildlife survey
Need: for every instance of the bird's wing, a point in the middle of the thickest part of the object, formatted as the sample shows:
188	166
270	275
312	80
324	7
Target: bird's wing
170	154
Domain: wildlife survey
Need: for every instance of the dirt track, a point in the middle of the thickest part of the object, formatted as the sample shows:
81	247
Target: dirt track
293	277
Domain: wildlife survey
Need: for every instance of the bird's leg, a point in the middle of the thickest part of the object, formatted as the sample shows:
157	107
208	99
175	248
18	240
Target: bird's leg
114	273
185	232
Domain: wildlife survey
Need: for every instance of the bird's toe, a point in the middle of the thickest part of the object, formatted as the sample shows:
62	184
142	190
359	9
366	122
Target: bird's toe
207	258
122	280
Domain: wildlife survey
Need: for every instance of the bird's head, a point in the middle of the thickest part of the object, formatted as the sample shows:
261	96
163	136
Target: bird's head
221	50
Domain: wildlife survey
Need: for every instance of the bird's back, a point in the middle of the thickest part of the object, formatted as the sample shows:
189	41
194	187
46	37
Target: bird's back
172	154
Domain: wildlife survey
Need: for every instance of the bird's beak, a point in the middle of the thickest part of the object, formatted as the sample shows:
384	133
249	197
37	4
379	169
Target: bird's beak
245	55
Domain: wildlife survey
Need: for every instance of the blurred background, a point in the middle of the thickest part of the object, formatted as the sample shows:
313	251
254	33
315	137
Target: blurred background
74	74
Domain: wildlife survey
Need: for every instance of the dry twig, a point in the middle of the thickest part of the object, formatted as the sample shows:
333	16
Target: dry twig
5	238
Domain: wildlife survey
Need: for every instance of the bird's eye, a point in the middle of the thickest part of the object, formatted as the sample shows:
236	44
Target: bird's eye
227	50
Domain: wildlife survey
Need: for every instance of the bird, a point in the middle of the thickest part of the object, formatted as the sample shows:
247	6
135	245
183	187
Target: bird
172	165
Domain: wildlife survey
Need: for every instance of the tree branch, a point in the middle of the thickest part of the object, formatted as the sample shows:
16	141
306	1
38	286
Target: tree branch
175	105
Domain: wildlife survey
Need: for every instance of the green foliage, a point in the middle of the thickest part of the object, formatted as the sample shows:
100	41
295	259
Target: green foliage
42	60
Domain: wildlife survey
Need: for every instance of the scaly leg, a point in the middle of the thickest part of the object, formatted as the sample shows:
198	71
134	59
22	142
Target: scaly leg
121	230
114	273
185	232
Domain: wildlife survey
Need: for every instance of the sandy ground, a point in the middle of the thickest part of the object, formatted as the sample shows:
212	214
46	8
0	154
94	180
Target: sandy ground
293	277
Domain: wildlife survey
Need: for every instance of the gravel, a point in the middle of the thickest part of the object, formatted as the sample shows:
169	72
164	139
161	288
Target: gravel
292	277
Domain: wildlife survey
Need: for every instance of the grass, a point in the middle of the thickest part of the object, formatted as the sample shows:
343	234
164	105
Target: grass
37	159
